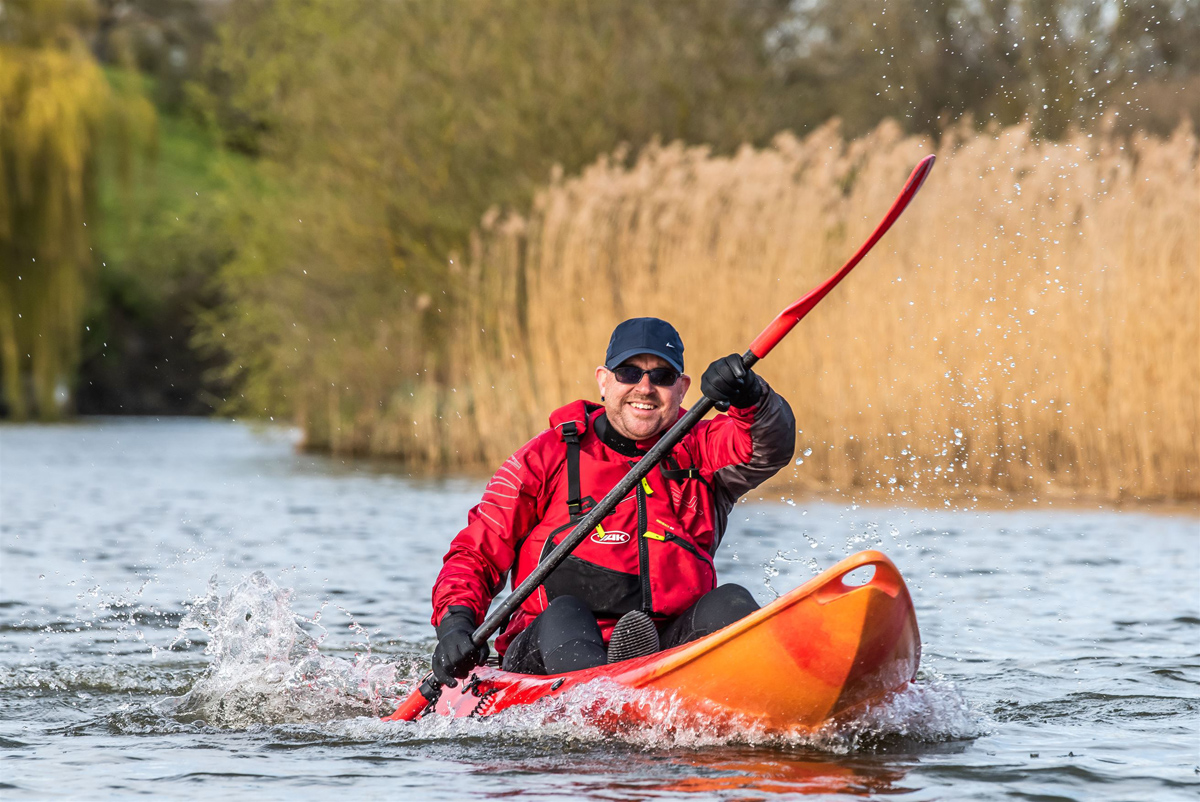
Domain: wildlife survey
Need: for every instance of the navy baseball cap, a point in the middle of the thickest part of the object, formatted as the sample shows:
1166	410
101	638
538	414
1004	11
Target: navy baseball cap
644	335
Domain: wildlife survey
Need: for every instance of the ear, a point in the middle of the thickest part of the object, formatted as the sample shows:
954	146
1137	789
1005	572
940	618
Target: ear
602	376
685	381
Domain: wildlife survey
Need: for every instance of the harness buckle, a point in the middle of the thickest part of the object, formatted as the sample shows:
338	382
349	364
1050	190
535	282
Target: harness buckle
570	436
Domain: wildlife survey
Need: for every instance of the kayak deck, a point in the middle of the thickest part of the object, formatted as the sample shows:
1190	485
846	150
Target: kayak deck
810	656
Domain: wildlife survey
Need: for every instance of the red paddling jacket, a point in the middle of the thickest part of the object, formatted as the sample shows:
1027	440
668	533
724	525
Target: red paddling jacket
654	552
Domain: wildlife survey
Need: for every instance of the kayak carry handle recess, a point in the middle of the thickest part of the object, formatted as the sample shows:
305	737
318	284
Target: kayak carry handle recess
886	577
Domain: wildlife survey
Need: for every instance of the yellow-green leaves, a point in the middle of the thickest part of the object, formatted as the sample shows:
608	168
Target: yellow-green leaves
56	108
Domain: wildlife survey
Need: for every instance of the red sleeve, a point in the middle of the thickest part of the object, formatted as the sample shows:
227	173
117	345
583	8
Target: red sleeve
745	447
725	440
475	567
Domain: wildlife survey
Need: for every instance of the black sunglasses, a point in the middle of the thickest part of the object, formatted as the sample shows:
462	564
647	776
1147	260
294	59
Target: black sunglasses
659	377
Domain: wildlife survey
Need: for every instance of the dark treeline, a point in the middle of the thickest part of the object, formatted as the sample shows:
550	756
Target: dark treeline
1057	63
285	220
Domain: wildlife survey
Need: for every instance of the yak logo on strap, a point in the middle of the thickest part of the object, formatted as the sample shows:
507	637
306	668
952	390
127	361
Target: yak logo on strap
610	538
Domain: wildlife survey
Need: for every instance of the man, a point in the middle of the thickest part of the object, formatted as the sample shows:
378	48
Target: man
644	579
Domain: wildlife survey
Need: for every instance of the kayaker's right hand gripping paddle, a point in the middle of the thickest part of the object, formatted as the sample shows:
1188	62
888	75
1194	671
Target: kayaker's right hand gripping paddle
423	698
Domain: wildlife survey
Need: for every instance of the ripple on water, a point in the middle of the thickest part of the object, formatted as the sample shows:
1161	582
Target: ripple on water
103	679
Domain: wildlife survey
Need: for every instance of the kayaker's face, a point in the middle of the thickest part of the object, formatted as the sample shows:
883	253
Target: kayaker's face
643	410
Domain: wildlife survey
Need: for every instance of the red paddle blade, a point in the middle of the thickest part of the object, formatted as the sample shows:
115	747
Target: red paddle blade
789	317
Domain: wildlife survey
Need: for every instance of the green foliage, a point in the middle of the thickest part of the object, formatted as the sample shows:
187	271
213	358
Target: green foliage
58	111
163	40
159	241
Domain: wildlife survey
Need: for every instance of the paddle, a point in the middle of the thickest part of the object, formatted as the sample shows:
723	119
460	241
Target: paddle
422	698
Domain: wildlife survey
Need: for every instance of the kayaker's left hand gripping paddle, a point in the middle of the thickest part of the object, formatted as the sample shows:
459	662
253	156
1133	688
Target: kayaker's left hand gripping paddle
425	697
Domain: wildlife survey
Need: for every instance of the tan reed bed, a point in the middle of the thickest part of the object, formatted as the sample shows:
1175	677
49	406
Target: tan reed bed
1029	327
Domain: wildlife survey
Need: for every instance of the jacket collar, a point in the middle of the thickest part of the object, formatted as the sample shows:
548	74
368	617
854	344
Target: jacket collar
618	442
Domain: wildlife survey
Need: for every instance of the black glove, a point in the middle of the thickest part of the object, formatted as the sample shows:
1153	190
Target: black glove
729	382
455	654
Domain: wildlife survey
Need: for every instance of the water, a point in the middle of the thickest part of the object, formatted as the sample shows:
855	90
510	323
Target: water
1061	648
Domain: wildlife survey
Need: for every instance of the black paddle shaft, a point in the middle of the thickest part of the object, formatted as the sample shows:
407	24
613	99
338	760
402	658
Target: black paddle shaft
597	514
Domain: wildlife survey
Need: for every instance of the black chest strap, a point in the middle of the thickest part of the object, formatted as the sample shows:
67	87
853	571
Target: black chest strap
570	436
673	473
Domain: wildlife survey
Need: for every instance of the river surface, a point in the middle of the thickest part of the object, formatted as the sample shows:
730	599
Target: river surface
191	609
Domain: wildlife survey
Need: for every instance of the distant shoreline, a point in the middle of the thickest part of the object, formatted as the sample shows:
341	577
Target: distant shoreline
775	491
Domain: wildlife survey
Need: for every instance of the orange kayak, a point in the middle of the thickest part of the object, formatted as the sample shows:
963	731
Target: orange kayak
812	655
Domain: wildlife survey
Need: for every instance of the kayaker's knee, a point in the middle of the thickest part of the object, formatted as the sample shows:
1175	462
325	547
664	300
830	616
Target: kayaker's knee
568	637
569	610
722	606
574	655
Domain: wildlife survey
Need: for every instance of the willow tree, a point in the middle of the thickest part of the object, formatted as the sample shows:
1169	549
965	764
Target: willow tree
56	110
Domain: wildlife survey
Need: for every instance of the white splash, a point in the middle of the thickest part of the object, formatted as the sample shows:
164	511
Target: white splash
267	669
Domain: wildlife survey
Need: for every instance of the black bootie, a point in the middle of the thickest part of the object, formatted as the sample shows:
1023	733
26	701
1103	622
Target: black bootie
634	636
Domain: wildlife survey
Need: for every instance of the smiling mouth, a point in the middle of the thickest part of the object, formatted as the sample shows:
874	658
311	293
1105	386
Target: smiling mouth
642	406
